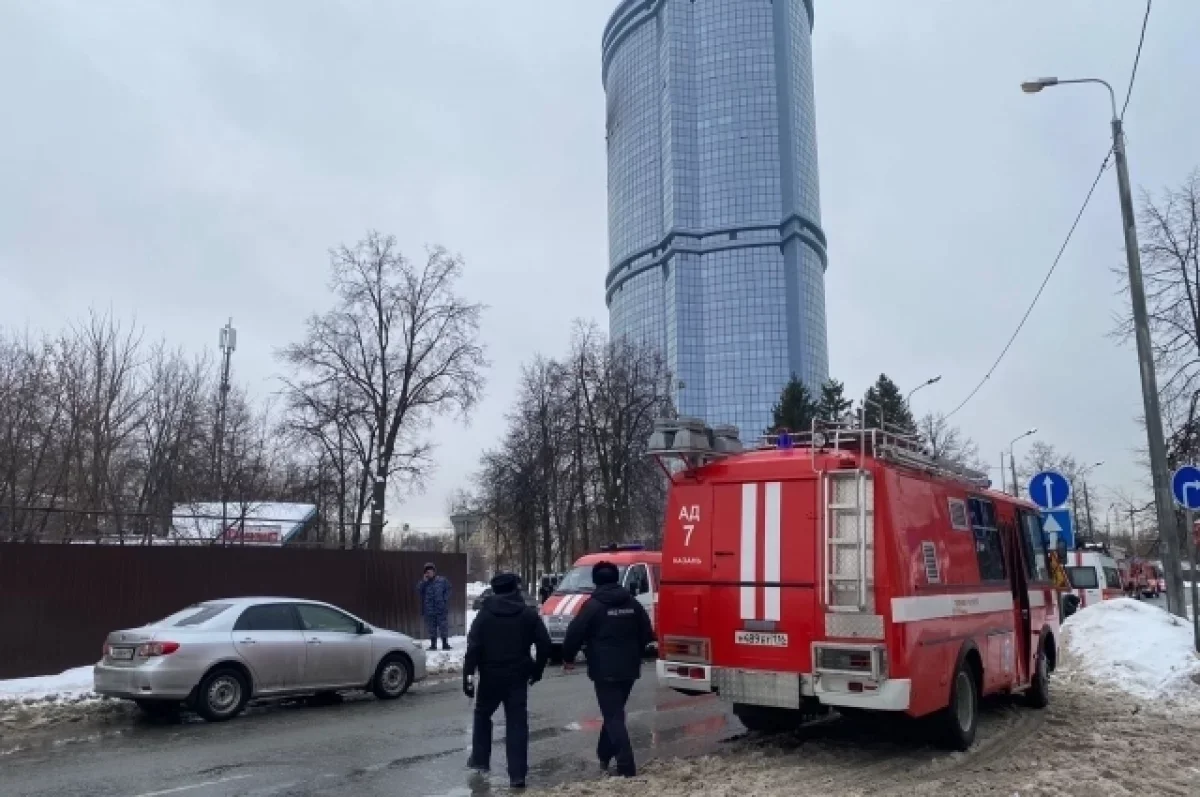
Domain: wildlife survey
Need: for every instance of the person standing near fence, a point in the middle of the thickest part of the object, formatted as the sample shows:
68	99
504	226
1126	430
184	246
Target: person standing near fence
435	606
498	647
614	630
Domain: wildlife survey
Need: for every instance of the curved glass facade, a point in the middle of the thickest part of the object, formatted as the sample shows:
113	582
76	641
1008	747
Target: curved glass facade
716	253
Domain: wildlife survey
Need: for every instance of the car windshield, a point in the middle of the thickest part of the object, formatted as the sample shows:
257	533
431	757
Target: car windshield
580	580
193	615
1083	577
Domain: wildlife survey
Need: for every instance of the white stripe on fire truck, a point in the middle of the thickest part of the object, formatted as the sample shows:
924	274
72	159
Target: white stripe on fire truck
914	608
771	551
749	551
565	605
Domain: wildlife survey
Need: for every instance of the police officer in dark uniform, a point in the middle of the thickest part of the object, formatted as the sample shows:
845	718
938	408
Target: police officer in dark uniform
614	629
498	647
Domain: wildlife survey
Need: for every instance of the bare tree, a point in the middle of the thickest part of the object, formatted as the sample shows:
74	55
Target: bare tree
1169	231
404	344
571	467
947	442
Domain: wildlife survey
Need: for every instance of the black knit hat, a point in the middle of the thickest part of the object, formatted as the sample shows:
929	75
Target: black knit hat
605	573
504	583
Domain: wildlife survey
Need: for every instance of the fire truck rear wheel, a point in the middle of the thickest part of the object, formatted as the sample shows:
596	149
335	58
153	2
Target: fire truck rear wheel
766	719
960	719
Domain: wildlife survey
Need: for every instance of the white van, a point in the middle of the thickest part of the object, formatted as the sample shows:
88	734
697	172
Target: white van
1094	577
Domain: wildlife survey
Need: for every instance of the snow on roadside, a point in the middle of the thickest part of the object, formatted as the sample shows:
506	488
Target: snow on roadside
42	703
73	685
1135	647
446	661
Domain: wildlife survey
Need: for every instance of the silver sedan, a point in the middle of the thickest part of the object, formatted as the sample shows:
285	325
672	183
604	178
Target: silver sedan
217	655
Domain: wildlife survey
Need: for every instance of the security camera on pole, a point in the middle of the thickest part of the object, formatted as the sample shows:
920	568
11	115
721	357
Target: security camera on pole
1185	487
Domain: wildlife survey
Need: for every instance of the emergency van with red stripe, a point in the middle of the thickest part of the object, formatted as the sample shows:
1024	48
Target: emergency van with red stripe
1094	576
638	572
844	568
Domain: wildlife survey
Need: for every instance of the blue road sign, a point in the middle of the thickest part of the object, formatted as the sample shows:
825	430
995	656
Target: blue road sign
1185	485
1059	528
1049	489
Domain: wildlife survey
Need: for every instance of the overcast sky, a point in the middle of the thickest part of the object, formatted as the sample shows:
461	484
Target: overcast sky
191	161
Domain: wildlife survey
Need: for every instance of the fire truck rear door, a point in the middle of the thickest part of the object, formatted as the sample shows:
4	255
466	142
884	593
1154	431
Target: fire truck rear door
764	573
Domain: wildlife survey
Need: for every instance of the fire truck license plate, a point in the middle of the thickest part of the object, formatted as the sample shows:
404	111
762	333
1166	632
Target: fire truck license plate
760	639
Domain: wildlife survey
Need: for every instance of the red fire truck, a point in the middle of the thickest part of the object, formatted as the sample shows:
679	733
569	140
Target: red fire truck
846	568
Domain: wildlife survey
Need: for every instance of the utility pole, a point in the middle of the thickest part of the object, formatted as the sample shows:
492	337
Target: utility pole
1087	509
227	343
1164	503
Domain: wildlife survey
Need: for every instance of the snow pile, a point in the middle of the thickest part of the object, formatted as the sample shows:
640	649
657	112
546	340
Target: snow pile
31	705
1137	648
475	589
73	685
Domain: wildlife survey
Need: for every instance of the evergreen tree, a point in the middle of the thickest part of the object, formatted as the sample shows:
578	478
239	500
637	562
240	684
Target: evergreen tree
795	410
885	396
833	403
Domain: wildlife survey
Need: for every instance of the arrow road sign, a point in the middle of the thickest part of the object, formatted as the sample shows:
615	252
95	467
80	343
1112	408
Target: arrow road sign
1049	489
1185	485
1059	528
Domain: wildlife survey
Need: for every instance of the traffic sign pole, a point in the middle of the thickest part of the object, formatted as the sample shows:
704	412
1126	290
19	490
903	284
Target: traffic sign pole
1191	535
1185	489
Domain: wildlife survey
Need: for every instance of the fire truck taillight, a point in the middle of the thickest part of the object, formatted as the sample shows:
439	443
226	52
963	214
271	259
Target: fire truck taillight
686	649
867	661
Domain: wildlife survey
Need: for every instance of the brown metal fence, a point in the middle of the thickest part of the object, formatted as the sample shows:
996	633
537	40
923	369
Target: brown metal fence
58	602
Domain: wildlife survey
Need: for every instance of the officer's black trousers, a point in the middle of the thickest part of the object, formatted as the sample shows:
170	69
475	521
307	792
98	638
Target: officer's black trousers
614	736
514	696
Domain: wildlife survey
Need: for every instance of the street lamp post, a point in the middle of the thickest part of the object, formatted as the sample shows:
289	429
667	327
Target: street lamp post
1087	504
1012	459
1163	501
926	383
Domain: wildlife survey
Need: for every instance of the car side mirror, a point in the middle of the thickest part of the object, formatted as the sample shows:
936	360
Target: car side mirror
363	628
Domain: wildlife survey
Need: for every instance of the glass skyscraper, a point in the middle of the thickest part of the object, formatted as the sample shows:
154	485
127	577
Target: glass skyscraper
716	252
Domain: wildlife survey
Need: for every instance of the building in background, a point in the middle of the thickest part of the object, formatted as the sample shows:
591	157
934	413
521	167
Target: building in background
716	253
256	523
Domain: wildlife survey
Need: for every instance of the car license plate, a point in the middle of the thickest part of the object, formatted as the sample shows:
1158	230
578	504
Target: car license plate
760	639
120	654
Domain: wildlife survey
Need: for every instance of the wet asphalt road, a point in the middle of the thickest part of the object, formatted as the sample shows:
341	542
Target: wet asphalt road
412	747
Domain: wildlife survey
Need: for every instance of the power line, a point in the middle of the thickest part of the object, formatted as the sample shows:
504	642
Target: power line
1053	266
1137	58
